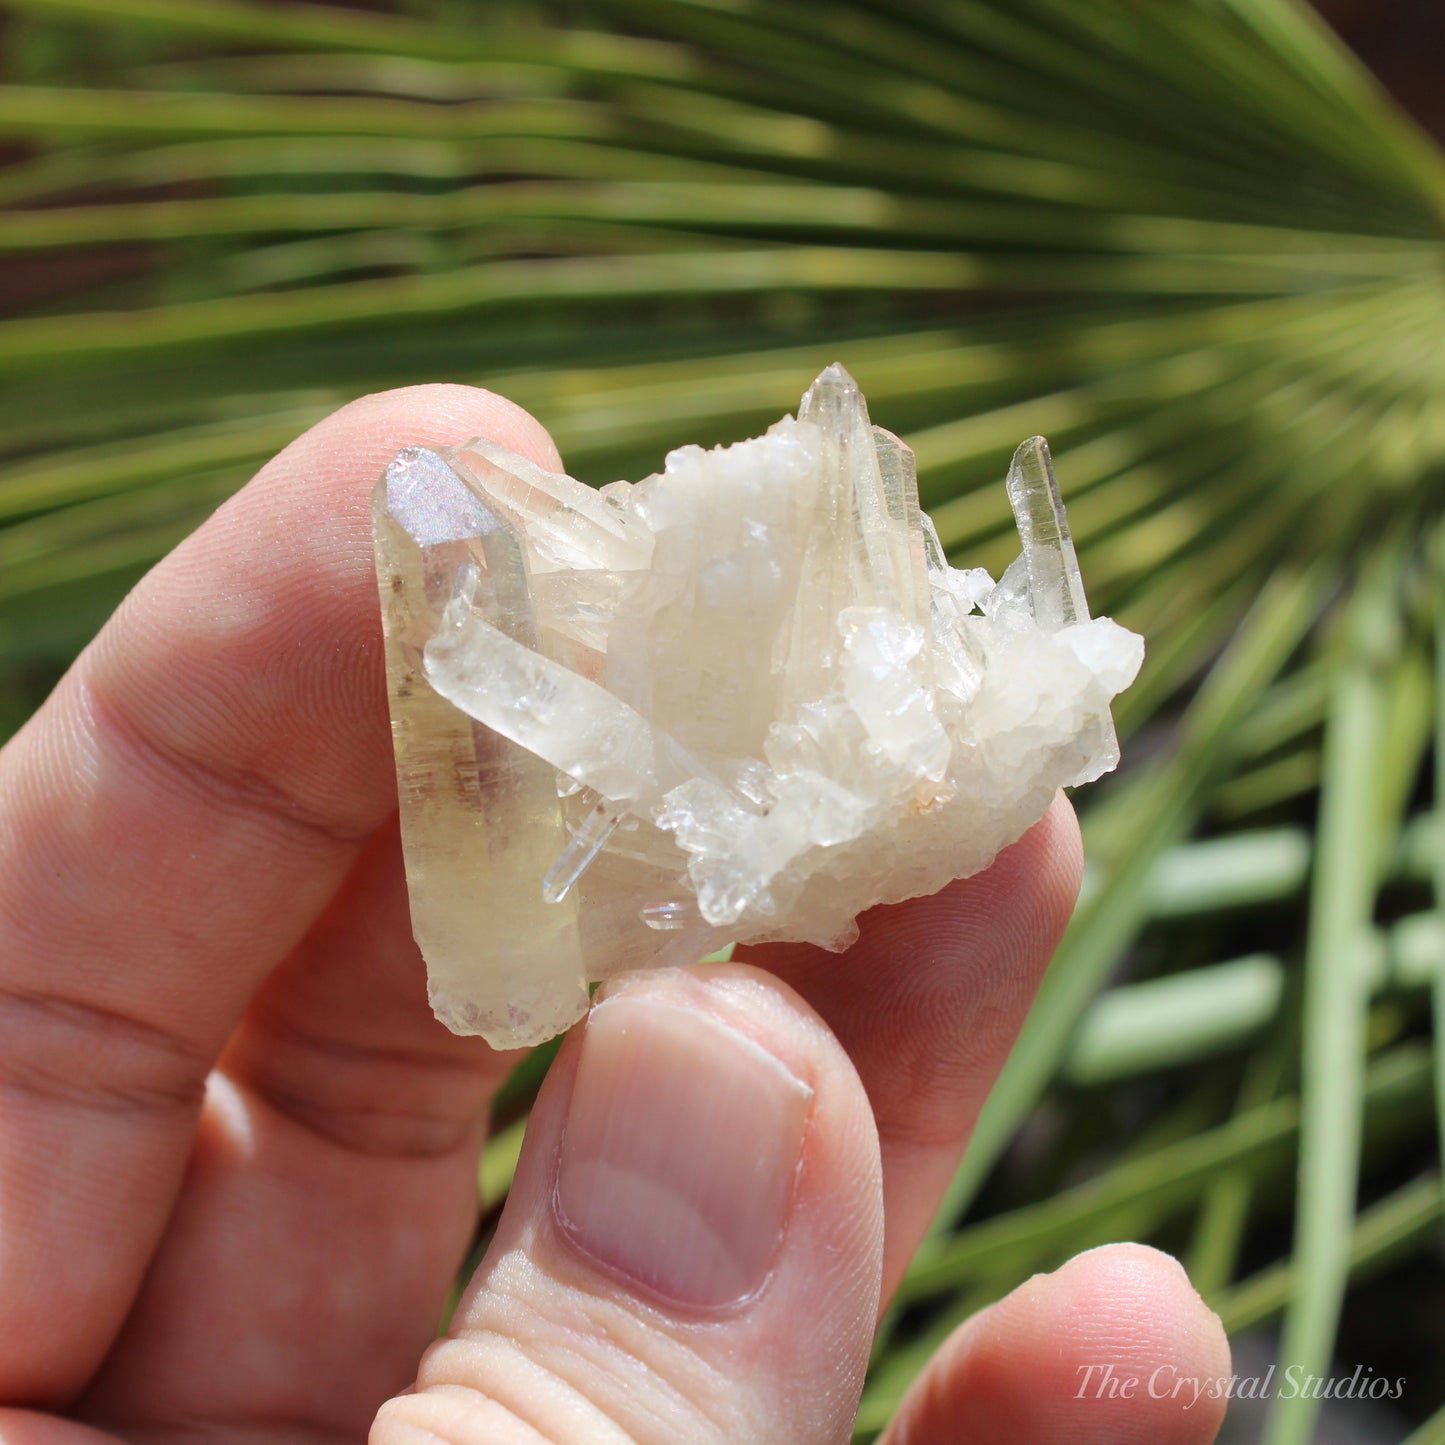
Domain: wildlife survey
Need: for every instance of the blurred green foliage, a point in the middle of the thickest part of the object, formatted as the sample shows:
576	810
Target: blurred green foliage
1193	243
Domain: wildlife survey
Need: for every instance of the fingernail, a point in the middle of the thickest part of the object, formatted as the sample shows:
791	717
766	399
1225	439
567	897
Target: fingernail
680	1150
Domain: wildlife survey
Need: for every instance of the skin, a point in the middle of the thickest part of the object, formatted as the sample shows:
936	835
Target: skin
237	1154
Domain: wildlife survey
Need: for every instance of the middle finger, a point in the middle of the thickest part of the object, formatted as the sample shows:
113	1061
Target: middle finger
928	1003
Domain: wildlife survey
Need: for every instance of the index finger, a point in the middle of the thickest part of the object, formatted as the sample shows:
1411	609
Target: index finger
171	822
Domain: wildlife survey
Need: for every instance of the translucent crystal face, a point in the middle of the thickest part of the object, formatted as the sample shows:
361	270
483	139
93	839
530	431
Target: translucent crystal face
740	700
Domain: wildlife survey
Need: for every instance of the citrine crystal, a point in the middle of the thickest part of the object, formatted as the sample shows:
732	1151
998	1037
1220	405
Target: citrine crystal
740	700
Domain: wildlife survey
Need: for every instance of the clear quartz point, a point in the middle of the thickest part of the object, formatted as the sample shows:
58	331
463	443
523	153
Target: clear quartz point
669	916
583	846
750	685
1055	589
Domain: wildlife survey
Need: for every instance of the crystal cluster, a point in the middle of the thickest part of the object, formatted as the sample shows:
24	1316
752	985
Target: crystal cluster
741	700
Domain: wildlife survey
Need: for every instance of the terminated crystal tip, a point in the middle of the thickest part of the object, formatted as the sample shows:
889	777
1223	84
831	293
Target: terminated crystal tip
1055	589
741	700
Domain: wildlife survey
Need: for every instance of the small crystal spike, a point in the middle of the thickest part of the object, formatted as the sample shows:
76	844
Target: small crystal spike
583	846
1056	591
669	917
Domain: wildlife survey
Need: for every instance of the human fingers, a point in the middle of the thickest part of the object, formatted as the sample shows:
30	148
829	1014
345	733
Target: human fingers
329	1199
32	1427
1115	1348
691	1249
172	822
928	1003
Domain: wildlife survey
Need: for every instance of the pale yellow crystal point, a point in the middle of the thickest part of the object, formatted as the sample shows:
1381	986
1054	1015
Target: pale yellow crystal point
480	817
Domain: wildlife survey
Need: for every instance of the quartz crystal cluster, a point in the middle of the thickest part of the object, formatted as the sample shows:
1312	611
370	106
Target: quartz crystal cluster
741	700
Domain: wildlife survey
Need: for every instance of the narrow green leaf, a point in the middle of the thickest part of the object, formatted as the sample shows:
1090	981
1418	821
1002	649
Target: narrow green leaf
1175	1020
315	27
1432	1432
1349	853
1438	839
1380	1236
1225	1204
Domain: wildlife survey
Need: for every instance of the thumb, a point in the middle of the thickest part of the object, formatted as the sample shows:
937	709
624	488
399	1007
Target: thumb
693	1245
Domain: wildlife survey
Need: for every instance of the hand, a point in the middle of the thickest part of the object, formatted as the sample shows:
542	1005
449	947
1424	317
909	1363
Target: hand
237	1154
